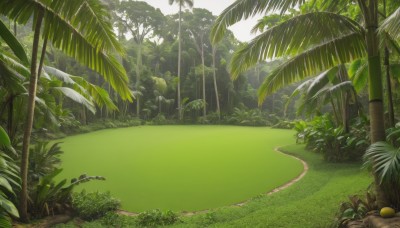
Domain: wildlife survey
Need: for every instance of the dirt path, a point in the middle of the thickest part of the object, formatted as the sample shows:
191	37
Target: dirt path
280	188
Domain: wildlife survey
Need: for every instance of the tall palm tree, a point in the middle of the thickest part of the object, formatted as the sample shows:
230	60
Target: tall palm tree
318	41
181	4
92	43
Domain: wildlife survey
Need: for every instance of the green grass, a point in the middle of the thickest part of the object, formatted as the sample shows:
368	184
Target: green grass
181	168
311	202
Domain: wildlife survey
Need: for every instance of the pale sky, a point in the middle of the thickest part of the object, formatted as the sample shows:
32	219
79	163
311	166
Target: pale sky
241	29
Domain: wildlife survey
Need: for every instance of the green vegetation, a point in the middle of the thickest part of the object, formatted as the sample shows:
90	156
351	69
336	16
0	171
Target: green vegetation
93	205
211	166
312	202
69	67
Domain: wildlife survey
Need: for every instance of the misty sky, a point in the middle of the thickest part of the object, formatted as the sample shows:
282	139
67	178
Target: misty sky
241	30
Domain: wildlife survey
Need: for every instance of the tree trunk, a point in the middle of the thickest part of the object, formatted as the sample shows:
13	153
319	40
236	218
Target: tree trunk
23	209
138	65
214	51
204	80
374	84
389	89
42	57
179	62
10	119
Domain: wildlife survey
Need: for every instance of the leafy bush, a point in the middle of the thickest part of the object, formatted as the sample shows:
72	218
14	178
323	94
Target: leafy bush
48	197
214	118
253	117
356	208
160	120
93	205
323	136
156	218
9	180
43	160
112	219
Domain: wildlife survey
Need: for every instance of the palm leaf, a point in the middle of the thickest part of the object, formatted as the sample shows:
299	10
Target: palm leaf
385	160
358	73
392	24
8	206
291	37
99	95
299	89
77	97
4	139
10	79
97	27
60	75
75	39
243	9
313	61
13	43
321	81
12	63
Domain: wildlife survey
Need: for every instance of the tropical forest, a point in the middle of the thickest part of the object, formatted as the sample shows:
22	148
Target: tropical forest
200	113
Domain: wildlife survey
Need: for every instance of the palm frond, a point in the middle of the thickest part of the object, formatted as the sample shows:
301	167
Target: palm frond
13	43
243	9
78	42
99	95
10	79
60	75
291	37
299	89
358	73
391	24
385	160
17	66
313	61
77	97
321	81
97	27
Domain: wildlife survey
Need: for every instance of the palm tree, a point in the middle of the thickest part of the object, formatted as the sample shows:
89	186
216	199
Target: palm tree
318	41
92	43
181	4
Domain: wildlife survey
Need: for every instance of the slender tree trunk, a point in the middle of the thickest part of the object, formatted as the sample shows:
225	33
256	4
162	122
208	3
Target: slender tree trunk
389	89
42	57
23	209
179	62
138	65
204	79
10	118
375	84
214	51
335	112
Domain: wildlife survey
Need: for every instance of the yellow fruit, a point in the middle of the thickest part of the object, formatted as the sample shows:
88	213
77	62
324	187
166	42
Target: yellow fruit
387	212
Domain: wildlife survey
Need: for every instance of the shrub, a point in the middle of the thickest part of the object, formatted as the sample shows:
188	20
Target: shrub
49	197
159	120
253	117
93	205
323	136
156	218
356	208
